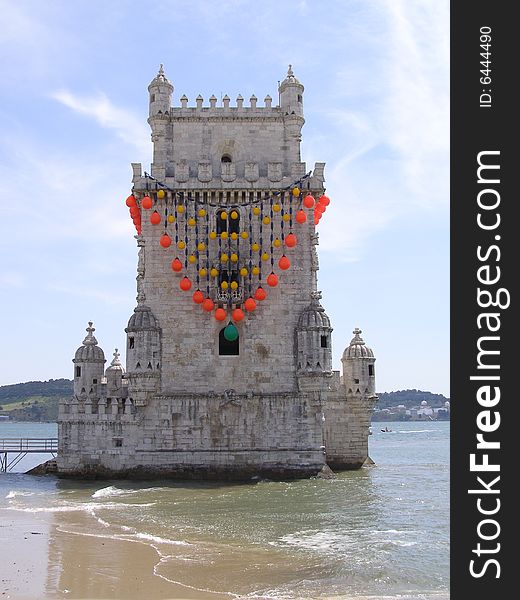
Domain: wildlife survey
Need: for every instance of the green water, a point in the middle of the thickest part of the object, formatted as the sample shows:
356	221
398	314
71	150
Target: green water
381	531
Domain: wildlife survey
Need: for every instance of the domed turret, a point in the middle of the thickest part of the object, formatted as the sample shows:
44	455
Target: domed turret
143	341
313	339
114	375
88	365
161	91
291	95
359	366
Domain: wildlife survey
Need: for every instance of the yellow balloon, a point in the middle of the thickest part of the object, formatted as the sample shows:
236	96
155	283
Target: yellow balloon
213	235
203	272
234	285
243	272
256	210
234	257
213	272
223	215
201	246
244	235
161	194
224	257
255	271
296	191
266	220
192	258
181	245
180	208
192	222
171	219
286	217
202	212
265	256
276	207
234	236
255	247
234	215
277	243
224	235
224	285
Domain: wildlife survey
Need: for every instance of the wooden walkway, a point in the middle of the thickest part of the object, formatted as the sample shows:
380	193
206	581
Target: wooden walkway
12	450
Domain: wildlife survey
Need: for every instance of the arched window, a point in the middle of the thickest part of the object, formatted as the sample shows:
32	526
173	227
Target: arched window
222	224
234	223
226	158
227	348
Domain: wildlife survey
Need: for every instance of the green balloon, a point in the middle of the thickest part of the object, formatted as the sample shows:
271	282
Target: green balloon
231	333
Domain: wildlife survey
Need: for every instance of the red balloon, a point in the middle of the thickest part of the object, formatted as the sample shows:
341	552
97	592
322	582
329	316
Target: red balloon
146	202
250	305
324	200
165	241
130	201
318	209
134	211
198	297
260	294
185	284
208	305
220	314
272	280
308	201
290	240
316	220
284	263
301	217
237	314
155	218
176	265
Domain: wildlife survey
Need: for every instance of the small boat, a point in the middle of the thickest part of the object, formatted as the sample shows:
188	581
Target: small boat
386	430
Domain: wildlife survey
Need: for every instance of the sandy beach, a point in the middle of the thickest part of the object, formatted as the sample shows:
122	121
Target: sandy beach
43	559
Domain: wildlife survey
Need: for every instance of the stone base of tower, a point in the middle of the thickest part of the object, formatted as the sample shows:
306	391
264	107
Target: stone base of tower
187	436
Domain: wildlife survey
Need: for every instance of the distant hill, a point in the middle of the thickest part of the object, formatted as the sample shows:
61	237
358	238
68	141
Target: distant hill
48	389
34	400
38	400
409	398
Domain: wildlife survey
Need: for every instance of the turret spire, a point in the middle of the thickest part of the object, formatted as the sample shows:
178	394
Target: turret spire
90	340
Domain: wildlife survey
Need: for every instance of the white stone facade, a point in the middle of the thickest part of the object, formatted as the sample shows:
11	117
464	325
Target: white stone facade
191	403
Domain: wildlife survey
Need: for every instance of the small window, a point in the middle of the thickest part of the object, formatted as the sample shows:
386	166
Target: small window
300	99
94	381
227	348
234	224
78	371
225	158
118	443
131	342
324	341
371	370
152	97
356	380
221	223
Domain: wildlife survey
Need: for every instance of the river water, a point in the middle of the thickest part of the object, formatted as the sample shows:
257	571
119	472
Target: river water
377	532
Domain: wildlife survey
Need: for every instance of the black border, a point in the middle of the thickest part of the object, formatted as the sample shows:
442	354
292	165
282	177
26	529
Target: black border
475	129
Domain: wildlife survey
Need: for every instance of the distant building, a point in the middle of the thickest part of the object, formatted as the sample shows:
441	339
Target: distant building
229	350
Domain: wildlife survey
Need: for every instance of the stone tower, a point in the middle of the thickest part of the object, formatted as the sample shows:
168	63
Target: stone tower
229	351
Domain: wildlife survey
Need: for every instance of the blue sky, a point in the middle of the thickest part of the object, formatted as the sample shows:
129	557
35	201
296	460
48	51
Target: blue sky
73	112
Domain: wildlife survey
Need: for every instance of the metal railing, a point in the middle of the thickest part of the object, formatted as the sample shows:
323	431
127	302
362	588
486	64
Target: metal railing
28	444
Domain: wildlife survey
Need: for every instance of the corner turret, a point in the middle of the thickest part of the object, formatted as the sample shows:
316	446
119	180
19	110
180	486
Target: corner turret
161	91
291	95
88	365
358	362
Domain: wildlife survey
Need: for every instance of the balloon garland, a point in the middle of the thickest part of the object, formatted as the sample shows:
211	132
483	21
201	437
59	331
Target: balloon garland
250	240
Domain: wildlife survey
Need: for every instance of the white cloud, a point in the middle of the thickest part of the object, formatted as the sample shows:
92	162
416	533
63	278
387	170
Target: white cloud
128	126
